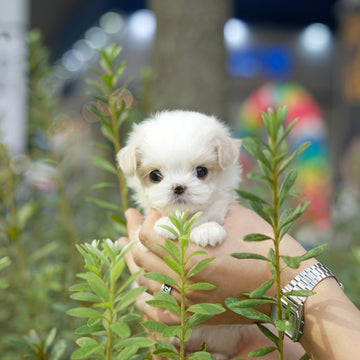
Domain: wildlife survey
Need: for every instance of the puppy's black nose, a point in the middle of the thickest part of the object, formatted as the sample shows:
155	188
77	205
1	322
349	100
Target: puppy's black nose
179	189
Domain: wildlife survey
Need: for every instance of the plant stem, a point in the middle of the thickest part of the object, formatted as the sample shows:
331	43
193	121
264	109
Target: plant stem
277	245
117	146
182	305
111	318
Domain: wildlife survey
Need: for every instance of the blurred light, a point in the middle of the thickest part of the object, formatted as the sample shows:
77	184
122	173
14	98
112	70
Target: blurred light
71	62
111	22
84	52
236	33
316	38
96	37
142	25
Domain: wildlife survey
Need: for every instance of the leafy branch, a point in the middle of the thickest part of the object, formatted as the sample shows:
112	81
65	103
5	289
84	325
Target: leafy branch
274	163
177	262
106	302
112	106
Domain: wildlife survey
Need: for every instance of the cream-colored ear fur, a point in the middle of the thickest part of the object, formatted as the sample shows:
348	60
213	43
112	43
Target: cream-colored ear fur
228	150
127	160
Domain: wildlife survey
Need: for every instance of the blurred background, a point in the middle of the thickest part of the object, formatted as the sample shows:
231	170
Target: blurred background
232	59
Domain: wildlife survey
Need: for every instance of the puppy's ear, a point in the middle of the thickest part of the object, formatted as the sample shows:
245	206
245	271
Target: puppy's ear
228	150
127	159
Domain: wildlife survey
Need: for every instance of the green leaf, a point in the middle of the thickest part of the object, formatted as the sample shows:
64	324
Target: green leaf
85	330
196	319
79	287
250	196
161	278
140	342
128	297
249	256
173	265
154	326
256	237
305	357
84	296
160	345
171	331
200	286
292	261
103	204
314	252
299	210
165	304
251	146
259	209
206	309
103	164
262	289
249	313
121	329
289	160
170	229
268	334
98	286
167	353
201	355
159	295
102	185
84	312
50	339
287	184
199	266
263	351
283	325
248	303
299	293
172	249
86	351
128	353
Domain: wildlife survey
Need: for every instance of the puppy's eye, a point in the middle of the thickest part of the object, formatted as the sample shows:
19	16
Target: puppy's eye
155	176
201	172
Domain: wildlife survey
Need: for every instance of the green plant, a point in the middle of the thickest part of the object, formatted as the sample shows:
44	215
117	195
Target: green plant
177	261
274	164
112	106
35	348
105	303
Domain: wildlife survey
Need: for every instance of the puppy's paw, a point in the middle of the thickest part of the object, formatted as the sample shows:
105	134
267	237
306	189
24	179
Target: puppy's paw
163	232
210	233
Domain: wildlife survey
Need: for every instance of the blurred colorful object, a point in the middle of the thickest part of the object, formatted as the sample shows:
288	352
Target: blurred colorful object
314	171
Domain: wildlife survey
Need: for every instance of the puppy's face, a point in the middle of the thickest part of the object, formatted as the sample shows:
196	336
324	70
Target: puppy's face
177	169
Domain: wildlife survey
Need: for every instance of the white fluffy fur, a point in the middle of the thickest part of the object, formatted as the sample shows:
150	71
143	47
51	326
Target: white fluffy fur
175	143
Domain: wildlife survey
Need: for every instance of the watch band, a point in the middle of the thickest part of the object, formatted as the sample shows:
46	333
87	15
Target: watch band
306	280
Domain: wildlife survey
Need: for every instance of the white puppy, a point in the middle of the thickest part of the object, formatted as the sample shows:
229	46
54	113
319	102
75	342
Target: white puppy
182	160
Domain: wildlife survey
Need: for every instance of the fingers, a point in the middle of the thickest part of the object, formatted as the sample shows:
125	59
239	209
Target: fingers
148	237
134	222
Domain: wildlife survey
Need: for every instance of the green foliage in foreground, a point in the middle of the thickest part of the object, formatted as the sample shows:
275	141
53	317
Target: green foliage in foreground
107	304
177	261
276	175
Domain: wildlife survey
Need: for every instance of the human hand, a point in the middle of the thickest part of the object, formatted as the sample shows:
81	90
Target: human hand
231	276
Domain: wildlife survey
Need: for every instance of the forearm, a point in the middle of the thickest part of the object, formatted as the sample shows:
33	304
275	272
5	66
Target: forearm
332	324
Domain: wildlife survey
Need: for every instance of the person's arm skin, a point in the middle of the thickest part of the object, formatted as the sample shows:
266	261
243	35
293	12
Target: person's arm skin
332	322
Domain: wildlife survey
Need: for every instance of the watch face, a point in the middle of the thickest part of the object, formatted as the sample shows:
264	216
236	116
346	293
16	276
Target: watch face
292	313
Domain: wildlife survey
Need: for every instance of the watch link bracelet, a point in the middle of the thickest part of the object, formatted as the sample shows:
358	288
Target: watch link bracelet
293	306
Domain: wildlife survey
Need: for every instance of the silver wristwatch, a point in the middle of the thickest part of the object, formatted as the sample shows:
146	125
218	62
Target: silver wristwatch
293	306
